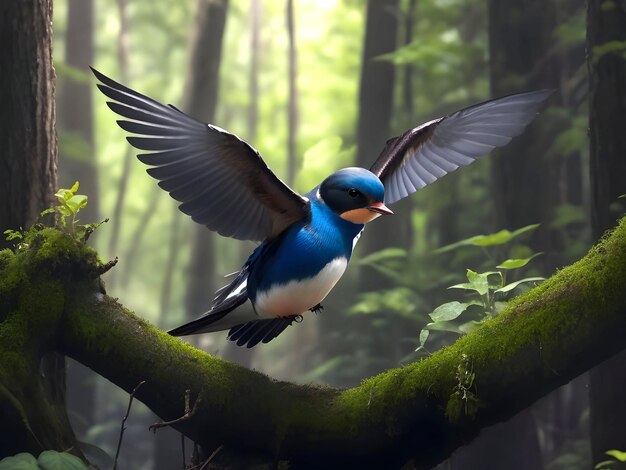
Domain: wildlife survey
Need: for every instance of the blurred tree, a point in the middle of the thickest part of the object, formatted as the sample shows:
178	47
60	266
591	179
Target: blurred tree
230	351
77	162
75	122
374	122
292	115
123	53
253	73
521	39
200	101
606	42
201	91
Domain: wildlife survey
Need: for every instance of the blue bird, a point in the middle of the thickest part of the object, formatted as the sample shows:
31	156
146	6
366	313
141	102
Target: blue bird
306	241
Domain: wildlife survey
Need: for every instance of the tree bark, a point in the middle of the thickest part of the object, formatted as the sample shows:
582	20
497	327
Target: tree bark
27	135
51	299
606	24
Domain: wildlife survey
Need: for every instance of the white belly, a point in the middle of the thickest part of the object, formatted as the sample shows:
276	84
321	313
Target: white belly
296	297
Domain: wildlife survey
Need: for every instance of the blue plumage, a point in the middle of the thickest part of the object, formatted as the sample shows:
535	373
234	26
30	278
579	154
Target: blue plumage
307	241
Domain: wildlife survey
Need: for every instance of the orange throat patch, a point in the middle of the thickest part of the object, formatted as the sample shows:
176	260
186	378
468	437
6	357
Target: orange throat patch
359	216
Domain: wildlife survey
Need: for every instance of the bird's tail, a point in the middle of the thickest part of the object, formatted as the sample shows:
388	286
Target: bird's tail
229	308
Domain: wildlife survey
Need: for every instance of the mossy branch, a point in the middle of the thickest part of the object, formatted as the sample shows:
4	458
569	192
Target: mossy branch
420	412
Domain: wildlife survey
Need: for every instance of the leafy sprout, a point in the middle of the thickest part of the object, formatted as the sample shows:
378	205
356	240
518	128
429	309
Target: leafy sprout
65	212
488	292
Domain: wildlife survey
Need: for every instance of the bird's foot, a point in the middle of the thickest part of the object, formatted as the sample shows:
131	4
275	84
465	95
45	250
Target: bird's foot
317	309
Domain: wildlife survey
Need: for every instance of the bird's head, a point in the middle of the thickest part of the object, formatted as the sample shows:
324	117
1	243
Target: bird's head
355	194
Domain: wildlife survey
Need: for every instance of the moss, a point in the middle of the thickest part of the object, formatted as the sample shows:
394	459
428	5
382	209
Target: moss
544	321
33	282
6	256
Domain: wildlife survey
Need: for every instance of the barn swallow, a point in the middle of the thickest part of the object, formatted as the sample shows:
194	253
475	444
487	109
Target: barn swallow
306	241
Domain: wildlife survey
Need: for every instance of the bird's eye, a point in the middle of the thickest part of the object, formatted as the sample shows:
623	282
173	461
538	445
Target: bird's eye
353	192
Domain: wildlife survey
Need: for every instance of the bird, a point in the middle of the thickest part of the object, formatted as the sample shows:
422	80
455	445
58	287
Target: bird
305	241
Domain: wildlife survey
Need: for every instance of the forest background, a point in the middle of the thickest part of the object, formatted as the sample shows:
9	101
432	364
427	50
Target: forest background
320	85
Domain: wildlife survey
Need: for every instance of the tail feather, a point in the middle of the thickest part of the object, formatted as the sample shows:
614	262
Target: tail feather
230	307
252	333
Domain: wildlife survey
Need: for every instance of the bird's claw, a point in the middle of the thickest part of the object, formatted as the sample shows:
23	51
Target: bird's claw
317	309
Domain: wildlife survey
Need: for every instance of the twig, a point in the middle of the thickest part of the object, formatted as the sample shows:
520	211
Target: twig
188	414
123	427
106	267
211	457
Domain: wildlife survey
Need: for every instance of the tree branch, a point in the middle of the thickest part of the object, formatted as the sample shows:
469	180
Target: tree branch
420	412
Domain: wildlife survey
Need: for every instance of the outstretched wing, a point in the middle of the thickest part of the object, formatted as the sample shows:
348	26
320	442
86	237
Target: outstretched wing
427	152
221	181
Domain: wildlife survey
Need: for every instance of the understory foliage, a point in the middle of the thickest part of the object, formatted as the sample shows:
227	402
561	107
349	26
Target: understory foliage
486	293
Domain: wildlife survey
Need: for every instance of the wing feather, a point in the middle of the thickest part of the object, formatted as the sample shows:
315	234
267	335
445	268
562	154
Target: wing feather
220	180
431	150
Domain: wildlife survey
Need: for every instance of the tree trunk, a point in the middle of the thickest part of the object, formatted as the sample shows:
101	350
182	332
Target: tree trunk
292	115
374	122
201	102
606	23
123	53
253	81
27	184
28	158
521	36
420	412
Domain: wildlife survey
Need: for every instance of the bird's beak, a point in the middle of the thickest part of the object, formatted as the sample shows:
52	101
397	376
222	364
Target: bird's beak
380	208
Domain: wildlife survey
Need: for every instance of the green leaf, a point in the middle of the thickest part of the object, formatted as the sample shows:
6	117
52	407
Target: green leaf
516	263
469	326
64	210
497	238
13	235
423	337
448	311
77	202
50	210
382	255
566	214
53	460
479	282
21	461
617	454
513	285
444	326
604	465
